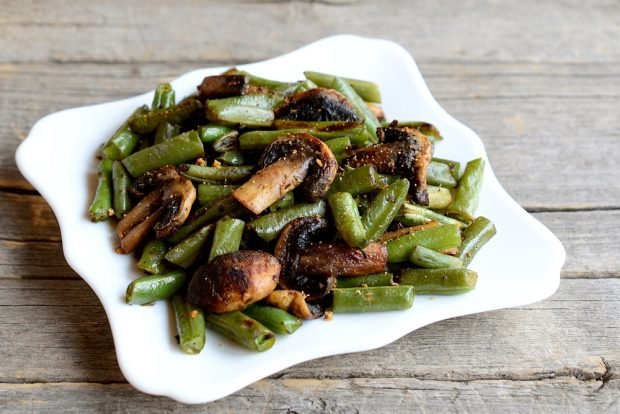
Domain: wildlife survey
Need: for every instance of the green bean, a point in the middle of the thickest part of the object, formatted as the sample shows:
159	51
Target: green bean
151	260
261	82
431	259
268	227
468	192
304	85
347	219
258	140
181	148
368	91
101	207
227	142
165	131
190	322
273	318
339	147
379	279
372	299
208	193
233	158
383	208
227	236
370	120
480	231
411	210
212	132
242	329
240	115
164	97
148	289
148	122
439	174
455	167
438	197
224	174
357	181
439	281
120	183
287	200
124	140
437	238
188	250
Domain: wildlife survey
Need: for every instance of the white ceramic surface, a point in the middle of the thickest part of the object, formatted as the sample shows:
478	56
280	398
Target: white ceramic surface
520	265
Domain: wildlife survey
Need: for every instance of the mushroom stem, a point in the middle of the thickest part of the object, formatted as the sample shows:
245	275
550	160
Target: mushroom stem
270	184
330	259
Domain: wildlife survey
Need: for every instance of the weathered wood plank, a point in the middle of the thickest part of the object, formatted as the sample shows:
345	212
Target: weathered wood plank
123	31
27	217
570	334
502	103
33	260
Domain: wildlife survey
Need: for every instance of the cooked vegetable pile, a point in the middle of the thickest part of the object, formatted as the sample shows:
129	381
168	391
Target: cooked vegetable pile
254	204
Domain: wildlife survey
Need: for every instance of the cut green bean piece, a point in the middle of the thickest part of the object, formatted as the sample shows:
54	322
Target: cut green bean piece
165	131
439	281
468	192
190	323
164	97
273	318
120	183
181	148
476	235
383	208
208	193
223	174
304	85
124	140
412	210
437	238
438	197
379	279
372	299
148	122
188	250
340	147
258	140
101	207
368	91
232	158
455	167
431	259
240	115
227	236
152	258
439	174
242	329
370	120
212	132
262	82
357	181
257	100
347	219
269	226
287	200
149	289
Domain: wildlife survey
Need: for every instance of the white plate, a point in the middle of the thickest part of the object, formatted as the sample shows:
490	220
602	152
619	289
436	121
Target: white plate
520	265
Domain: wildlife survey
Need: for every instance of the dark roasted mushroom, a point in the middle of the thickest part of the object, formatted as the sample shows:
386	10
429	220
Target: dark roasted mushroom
233	281
222	86
164	209
339	259
288	162
294	302
403	151
317	104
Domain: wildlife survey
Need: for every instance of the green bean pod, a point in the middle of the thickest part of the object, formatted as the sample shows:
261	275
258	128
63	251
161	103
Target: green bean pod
437	238
124	140
164	97
212	132
339	147
370	120
455	167
120	184
242	329
227	236
476	235
148	289
233	158
430	259
148	122
287	200
304	85
379	279
372	299
188	250
439	281
347	219
357	181
368	91
261	82
101	207
383	208
415	210
273	318
438	197
269	226
440	174
181	148
208	193
223	174
165	131
468	192
152	258
190	322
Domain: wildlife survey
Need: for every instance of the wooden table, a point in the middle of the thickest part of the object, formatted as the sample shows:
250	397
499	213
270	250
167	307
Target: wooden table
539	82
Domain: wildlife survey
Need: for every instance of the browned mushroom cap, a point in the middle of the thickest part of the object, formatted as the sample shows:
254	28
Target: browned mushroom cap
339	259
317	104
294	239
153	179
288	162
404	151
294	302
165	208
222	86
233	281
